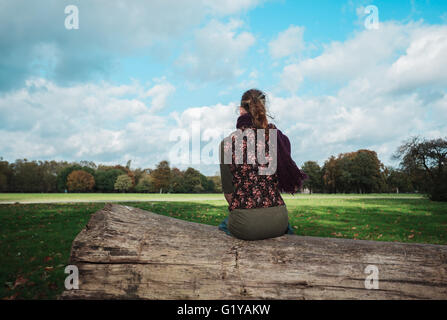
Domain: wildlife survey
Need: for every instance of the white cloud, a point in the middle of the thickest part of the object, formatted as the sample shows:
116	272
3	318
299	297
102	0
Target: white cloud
159	94
91	121
389	84
328	125
34	40
98	122
424	61
216	51
366	52
219	116
111	124
288	42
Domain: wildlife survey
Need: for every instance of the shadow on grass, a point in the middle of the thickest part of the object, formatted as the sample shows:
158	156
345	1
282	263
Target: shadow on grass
403	220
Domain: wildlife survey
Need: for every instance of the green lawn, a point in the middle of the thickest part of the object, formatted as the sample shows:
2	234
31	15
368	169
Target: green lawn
35	239
108	197
100	197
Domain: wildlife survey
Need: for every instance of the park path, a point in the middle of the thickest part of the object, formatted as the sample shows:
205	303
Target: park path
109	200
196	198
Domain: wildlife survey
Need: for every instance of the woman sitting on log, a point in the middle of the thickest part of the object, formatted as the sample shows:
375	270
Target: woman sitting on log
257	210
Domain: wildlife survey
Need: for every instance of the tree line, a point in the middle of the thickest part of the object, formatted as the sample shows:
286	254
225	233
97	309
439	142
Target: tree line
422	170
86	176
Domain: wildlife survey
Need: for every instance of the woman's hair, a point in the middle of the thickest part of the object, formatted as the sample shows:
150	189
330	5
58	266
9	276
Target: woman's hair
254	101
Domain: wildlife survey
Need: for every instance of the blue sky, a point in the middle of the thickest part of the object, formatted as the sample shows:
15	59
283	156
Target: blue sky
117	87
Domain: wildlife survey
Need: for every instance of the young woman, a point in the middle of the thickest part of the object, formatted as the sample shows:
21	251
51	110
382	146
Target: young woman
257	209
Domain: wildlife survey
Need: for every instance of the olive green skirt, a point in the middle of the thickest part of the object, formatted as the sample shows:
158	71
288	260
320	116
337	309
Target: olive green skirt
258	223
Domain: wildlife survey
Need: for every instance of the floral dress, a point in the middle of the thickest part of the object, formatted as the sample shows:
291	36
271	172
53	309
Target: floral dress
251	189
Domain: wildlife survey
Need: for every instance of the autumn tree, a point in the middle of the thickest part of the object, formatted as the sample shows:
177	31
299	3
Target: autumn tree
80	181
123	183
161	176
127	171
139	173
331	174
66	171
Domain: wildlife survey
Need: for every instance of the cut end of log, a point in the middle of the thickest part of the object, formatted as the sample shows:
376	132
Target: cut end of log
128	253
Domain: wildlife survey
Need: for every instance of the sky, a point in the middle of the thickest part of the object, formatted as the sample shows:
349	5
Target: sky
133	74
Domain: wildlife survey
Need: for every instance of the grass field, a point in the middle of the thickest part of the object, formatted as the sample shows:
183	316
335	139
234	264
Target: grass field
119	197
35	239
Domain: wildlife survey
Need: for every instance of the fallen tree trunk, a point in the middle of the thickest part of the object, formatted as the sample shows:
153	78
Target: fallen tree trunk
129	253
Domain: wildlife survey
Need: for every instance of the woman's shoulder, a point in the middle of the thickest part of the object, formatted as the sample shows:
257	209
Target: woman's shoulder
272	126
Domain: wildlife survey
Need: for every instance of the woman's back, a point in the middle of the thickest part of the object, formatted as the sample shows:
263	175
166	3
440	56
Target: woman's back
251	189
251	186
257	210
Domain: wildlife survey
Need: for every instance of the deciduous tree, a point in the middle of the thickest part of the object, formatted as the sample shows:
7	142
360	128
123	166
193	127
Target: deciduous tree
161	176
144	184
80	181
315	181
430	157
123	183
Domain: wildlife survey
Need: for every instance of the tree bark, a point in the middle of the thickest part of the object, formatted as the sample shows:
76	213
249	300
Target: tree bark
129	253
